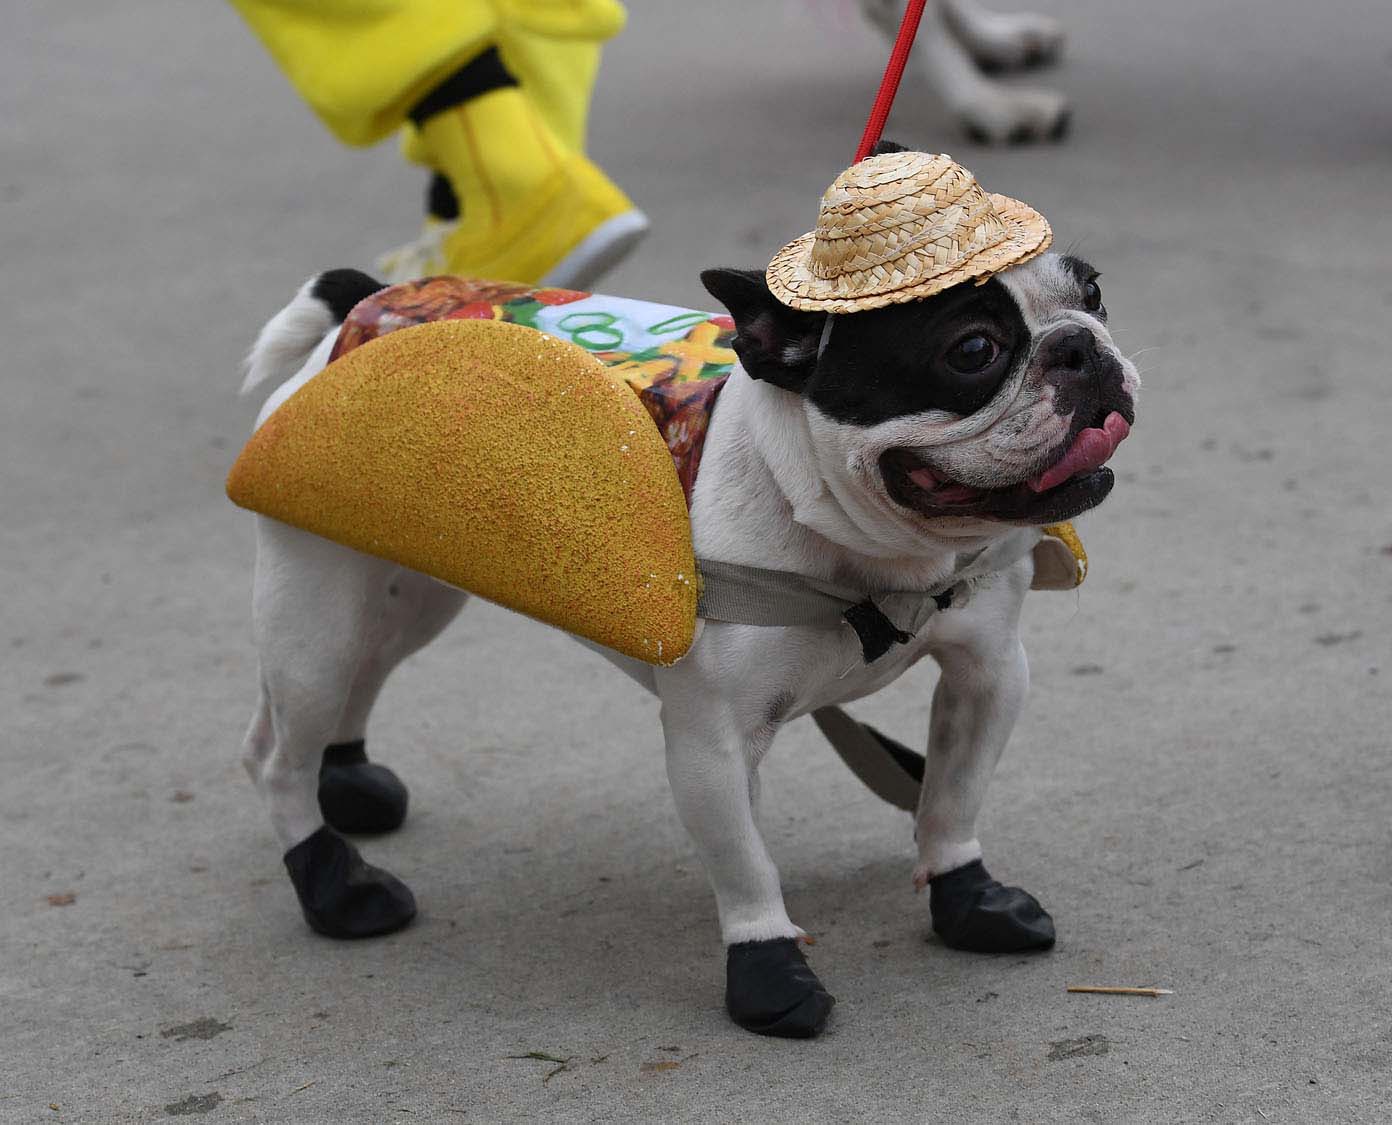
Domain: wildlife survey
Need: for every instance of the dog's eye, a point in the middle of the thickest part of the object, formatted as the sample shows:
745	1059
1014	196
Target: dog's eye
971	354
1092	296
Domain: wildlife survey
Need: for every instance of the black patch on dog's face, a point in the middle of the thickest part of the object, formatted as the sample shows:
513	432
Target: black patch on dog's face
1088	380
951	351
1089	292
774	343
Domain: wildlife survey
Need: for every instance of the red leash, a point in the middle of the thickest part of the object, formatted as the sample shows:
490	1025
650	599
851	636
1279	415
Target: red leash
889	85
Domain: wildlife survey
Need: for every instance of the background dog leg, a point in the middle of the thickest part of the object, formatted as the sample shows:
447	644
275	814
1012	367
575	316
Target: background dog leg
1003	41
314	606
769	987
985	678
356	795
987	111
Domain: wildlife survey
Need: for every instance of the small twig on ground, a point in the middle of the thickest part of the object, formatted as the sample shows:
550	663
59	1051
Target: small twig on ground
306	1086
1119	990
542	1056
241	1069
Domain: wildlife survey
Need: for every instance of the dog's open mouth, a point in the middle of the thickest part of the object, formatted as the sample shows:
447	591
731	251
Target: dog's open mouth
1073	482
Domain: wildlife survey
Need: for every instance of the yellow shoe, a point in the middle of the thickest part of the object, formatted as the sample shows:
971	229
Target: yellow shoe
532	210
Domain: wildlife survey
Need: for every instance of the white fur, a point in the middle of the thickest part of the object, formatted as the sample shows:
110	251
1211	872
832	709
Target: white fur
781	487
311	365
287	338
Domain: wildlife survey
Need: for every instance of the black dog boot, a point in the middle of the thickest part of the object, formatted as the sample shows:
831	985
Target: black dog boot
771	990
342	895
974	912
358	796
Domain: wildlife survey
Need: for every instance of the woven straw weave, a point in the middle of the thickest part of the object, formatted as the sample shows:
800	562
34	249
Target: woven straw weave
899	227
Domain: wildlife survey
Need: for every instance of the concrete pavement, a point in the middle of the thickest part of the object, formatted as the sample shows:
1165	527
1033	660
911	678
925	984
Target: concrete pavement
1198	791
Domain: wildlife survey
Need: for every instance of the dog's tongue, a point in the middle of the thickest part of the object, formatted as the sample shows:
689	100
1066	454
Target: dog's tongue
1090	450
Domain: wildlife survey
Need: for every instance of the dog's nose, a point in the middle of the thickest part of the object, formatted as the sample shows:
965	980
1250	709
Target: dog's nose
1071	348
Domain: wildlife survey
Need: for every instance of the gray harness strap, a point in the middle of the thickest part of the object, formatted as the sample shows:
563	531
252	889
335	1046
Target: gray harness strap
750	595
867	759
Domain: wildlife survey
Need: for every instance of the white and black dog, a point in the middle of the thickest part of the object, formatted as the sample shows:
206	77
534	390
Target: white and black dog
872	452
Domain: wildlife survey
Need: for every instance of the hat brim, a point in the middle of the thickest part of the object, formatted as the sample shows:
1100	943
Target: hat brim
791	280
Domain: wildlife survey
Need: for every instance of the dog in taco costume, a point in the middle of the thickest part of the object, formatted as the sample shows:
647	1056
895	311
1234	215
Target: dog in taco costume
758	514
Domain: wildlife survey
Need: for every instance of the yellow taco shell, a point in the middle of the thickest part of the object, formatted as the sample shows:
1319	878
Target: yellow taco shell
500	460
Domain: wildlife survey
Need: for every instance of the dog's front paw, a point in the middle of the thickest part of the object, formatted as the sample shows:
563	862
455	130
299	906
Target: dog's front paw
1006	115
974	912
341	894
358	796
771	990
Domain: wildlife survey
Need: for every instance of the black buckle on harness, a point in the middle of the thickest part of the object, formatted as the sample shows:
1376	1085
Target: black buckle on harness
877	633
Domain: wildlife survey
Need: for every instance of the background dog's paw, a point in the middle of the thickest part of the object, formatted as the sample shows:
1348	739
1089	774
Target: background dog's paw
342	895
974	912
1005	115
771	990
1004	41
359	796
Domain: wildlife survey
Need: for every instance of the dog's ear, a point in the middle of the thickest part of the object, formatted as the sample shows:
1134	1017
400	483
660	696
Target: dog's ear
774	343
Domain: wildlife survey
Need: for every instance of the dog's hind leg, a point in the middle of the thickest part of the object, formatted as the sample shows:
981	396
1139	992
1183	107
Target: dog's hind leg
314	607
712	758
356	795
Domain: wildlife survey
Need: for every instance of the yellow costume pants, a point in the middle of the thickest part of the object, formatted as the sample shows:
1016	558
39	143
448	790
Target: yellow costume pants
362	64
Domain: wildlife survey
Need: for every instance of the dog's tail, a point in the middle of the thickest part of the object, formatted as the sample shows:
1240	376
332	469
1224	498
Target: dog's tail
288	337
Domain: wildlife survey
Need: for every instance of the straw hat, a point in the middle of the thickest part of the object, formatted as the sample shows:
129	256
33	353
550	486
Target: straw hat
901	226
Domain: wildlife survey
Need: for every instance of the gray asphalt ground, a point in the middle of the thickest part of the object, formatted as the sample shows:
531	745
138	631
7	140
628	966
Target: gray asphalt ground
1199	788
